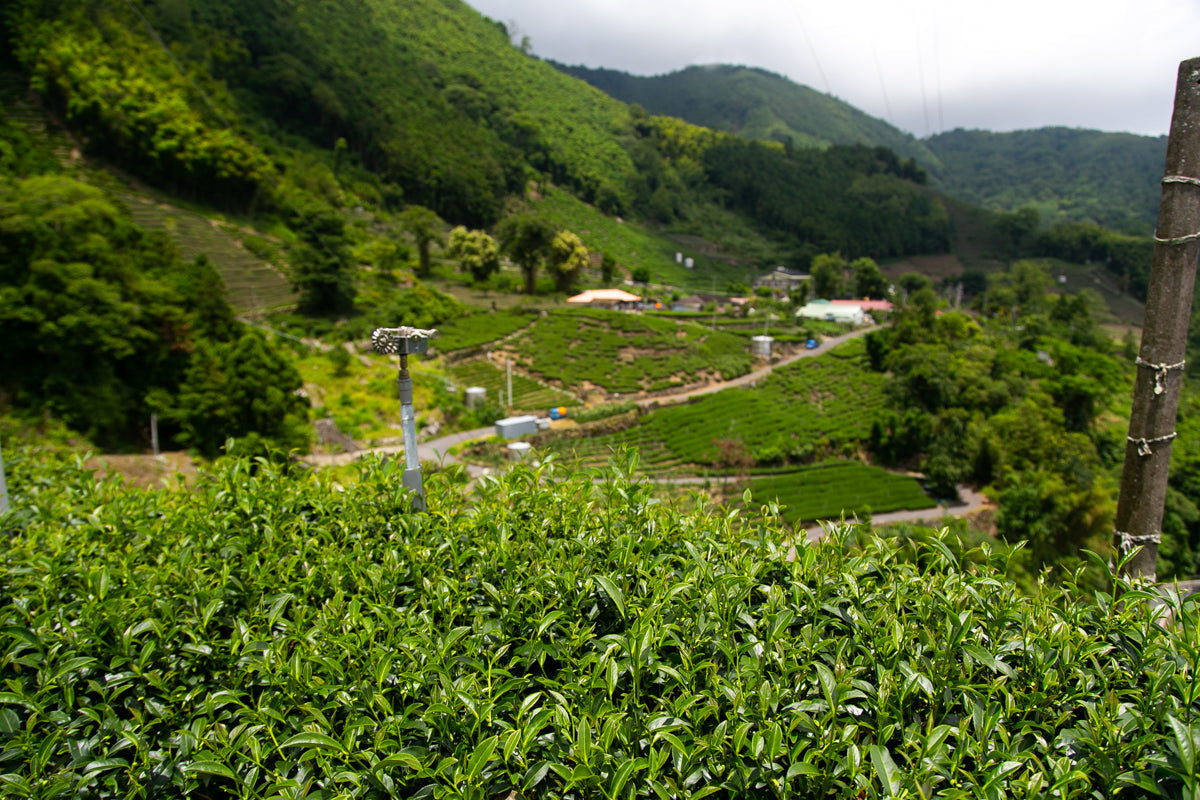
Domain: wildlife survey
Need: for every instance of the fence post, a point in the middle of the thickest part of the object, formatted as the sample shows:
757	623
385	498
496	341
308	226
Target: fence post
1164	336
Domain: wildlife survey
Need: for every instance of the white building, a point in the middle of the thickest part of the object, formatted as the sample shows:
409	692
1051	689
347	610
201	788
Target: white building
833	312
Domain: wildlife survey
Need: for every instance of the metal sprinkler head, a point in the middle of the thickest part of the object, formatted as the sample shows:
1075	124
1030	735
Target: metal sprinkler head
402	341
406	341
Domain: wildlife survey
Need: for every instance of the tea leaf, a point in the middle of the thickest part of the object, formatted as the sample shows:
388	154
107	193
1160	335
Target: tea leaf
887	771
317	740
210	768
614	593
480	757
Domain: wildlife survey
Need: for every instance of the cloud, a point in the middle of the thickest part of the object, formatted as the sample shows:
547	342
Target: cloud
925	65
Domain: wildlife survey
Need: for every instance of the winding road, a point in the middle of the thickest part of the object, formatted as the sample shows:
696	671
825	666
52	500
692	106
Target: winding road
439	449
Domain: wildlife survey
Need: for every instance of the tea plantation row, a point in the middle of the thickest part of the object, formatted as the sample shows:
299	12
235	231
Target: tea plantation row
808	408
480	329
265	635
528	394
835	488
628	353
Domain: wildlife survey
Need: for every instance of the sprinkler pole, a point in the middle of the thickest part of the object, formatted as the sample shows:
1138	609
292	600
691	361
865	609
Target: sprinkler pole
3	487
404	342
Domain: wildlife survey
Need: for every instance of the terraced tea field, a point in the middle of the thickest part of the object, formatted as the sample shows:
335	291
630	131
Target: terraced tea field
829	490
480	329
804	410
252	284
627	353
529	394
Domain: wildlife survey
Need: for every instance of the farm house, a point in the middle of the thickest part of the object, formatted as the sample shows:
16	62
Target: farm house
617	299
847	312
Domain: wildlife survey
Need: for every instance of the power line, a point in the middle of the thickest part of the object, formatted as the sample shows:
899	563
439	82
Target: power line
882	85
812	50
921	76
937	72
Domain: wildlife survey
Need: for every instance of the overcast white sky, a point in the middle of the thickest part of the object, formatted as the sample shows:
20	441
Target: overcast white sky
923	65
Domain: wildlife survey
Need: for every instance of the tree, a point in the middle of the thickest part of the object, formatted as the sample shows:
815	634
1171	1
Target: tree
640	275
527	239
868	280
608	268
913	282
826	271
568	257
731	455
800	295
426	229
477	253
321	267
240	389
94	311
1017	227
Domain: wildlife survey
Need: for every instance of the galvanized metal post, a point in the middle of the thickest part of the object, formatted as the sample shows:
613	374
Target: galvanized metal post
1164	336
3	487
404	342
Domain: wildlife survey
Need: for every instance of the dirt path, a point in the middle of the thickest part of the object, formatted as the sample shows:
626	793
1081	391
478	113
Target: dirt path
752	378
438	449
969	502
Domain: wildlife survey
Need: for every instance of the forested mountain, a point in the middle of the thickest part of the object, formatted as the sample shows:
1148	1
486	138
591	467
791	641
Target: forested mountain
1111	179
1068	175
251	106
754	104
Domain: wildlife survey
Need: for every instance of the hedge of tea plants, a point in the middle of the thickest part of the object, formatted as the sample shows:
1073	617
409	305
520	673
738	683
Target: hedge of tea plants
270	635
837	488
808	409
480	329
629	353
527	393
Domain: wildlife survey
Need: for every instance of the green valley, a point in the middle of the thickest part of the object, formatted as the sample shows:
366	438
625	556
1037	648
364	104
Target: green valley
207	208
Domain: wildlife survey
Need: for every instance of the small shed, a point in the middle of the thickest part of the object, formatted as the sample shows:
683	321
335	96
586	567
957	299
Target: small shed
512	427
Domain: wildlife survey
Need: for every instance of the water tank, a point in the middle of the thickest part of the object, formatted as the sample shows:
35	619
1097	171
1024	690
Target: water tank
761	345
518	451
475	396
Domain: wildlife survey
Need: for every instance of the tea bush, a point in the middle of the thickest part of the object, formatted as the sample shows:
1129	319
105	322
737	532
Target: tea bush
268	634
527	393
480	329
834	488
805	410
629	353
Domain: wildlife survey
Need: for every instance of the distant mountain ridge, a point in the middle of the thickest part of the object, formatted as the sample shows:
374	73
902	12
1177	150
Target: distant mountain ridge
755	104
1066	174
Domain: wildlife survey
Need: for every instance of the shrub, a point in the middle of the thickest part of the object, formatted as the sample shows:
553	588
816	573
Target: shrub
548	635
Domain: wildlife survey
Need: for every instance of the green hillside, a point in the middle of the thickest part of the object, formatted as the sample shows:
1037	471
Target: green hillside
754	104
1111	179
1068	175
251	283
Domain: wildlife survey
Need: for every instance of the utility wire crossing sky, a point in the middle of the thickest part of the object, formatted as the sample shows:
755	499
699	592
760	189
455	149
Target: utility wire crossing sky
926	66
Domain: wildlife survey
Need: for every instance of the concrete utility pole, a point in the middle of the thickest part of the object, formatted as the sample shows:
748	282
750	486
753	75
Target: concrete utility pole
1164	336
